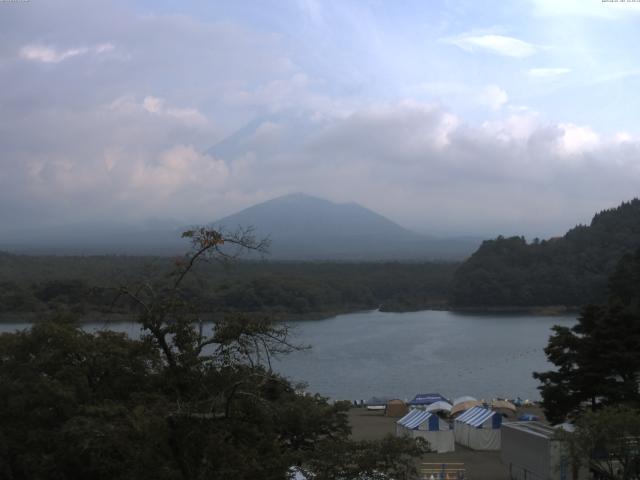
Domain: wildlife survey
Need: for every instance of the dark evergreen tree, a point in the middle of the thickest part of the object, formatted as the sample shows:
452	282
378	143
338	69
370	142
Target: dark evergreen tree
598	359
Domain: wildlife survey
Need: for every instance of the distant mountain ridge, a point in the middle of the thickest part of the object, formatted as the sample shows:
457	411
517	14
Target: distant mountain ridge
300	227
303	227
303	215
572	270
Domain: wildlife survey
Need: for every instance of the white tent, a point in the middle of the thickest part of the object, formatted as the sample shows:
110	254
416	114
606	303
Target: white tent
478	429
464	398
441	406
419	423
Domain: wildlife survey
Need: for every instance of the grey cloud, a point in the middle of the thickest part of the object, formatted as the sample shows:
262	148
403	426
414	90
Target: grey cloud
79	142
475	181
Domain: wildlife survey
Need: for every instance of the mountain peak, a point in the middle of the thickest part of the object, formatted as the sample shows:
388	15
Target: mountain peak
302	226
298	196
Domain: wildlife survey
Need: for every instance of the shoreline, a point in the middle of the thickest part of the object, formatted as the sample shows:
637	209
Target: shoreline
547	310
551	311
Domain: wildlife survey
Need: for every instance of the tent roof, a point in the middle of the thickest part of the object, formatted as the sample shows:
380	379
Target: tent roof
464	398
539	428
476	416
427	399
503	404
415	418
461	407
439	406
396	401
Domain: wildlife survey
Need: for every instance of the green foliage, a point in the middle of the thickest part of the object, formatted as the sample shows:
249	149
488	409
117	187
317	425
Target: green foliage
390	457
180	403
87	285
80	405
607	442
73	404
570	270
597	360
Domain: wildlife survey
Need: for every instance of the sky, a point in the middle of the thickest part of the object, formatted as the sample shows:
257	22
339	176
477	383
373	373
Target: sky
449	117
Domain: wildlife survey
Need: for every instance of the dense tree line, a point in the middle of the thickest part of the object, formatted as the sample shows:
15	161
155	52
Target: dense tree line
571	270
87	284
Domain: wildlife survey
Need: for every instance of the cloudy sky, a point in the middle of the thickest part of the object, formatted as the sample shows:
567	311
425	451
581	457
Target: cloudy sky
450	117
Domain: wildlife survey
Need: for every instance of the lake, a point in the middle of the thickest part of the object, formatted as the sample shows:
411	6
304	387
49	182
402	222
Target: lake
359	355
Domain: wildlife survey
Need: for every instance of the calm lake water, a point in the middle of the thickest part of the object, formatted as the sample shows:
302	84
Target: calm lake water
359	355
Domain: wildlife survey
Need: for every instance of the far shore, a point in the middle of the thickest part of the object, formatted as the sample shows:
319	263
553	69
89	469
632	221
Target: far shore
90	317
548	310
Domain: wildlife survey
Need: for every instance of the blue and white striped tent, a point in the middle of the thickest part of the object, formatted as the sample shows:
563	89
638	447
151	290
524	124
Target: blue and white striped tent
419	419
478	428
477	416
419	423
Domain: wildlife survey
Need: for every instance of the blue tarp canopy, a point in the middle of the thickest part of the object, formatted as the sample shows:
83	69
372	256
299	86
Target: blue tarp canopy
528	417
427	399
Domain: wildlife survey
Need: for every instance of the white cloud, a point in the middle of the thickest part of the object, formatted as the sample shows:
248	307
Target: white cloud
492	43
152	104
441	170
156	106
176	169
577	139
49	54
434	169
624	137
189	116
493	97
489	96
513	128
69	155
548	72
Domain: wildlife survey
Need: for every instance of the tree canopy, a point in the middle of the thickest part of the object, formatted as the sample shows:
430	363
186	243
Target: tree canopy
597	360
36	285
571	270
605	441
181	402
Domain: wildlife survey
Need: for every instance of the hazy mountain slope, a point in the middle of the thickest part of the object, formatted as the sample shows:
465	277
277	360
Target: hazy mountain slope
570	270
267	133
300	227
300	215
305	227
91	238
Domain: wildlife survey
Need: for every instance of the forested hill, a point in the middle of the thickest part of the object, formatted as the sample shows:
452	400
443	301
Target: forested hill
571	270
87	285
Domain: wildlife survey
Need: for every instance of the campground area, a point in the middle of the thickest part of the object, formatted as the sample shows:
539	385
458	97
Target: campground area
478	465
